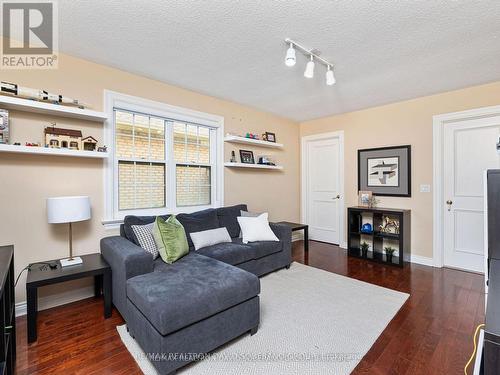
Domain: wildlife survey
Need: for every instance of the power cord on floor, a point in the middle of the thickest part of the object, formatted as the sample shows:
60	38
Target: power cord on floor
475	347
51	265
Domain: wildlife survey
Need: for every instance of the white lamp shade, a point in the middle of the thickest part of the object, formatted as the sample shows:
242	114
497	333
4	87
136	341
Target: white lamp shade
309	73
330	78
68	209
290	57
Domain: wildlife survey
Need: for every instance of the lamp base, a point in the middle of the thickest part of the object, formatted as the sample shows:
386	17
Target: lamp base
71	261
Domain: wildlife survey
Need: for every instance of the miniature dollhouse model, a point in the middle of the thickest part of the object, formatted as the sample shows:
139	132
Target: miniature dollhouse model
89	143
63	138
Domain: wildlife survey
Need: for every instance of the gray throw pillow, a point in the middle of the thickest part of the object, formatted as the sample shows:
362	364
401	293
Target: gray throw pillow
210	237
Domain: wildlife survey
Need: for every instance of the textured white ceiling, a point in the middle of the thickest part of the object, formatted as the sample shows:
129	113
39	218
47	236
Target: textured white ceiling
383	51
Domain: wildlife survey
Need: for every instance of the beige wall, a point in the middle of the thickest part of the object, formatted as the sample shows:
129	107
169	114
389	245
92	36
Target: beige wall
27	180
408	122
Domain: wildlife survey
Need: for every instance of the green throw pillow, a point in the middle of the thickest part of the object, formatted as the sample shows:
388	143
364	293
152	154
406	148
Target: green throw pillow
170	237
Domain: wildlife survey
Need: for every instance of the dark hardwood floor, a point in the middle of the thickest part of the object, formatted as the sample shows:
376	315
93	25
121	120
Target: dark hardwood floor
431	334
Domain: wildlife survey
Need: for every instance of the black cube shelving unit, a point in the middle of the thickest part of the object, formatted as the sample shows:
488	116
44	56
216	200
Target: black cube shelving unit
377	238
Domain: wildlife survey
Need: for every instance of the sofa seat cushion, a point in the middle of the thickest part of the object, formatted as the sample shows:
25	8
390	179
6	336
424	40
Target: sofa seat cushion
189	290
229	252
262	248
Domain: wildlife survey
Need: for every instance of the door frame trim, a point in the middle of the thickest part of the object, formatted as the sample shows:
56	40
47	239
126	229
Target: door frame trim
438	124
305	173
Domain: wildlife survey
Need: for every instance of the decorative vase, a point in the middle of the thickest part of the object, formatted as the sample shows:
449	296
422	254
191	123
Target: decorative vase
364	252
389	257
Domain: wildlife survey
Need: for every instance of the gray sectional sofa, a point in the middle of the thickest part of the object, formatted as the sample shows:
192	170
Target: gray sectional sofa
200	302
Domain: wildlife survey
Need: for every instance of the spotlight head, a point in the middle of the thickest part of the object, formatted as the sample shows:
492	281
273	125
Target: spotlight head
309	72
290	56
330	78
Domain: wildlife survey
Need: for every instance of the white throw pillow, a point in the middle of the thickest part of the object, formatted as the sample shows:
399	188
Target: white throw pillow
144	234
256	229
210	237
247	214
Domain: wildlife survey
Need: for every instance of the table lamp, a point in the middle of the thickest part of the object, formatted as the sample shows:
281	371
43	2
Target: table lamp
68	210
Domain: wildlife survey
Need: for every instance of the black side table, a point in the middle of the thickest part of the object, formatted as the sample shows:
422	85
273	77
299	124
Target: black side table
93	265
297	226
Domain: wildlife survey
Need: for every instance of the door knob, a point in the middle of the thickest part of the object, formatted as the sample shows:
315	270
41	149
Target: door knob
449	203
337	197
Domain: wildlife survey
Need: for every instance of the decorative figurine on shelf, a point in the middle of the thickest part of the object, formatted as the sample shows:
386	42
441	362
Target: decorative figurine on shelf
364	248
4	126
372	202
102	149
32	144
36	94
233	157
63	138
366	228
252	136
89	143
389	225
265	160
389	252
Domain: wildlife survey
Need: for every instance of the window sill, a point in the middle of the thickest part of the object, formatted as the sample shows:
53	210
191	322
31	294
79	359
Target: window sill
112	224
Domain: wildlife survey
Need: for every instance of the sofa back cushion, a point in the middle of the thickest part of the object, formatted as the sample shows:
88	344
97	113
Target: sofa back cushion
126	230
195	222
198	222
227	217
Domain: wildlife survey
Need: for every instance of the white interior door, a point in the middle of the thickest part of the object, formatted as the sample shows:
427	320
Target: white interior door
323	189
469	149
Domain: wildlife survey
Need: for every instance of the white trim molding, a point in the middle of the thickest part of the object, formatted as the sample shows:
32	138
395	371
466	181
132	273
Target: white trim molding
113	100
418	259
304	172
439	122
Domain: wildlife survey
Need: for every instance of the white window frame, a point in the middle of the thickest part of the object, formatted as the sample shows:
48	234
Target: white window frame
114	100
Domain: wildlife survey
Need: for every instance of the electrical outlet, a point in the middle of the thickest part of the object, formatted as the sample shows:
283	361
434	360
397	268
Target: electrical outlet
425	188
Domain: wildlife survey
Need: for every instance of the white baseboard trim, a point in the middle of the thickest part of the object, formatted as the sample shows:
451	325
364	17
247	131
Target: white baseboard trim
296	236
422	260
57	299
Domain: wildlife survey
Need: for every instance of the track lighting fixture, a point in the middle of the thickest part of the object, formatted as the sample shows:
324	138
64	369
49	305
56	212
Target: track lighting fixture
313	55
309	72
330	78
290	56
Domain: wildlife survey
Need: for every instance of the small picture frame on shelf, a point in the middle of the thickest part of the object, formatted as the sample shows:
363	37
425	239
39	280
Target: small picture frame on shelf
364	198
269	137
247	157
4	126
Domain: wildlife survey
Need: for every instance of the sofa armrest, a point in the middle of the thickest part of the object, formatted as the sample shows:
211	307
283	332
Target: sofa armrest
282	231
126	260
284	234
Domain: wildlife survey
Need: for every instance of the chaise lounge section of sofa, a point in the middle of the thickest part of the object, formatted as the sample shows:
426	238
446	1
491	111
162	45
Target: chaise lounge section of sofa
200	302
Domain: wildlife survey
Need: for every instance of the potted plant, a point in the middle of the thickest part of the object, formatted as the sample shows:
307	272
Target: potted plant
389	252
364	248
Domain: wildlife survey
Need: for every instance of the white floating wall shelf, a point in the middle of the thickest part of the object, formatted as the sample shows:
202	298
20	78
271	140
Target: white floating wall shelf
26	105
52	151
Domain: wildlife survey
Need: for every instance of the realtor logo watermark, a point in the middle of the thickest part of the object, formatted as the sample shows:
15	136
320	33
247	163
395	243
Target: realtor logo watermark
29	35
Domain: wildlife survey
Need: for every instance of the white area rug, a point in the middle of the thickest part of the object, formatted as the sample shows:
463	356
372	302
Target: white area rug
312	322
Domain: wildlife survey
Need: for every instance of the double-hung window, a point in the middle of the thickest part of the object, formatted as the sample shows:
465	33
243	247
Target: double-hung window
162	160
